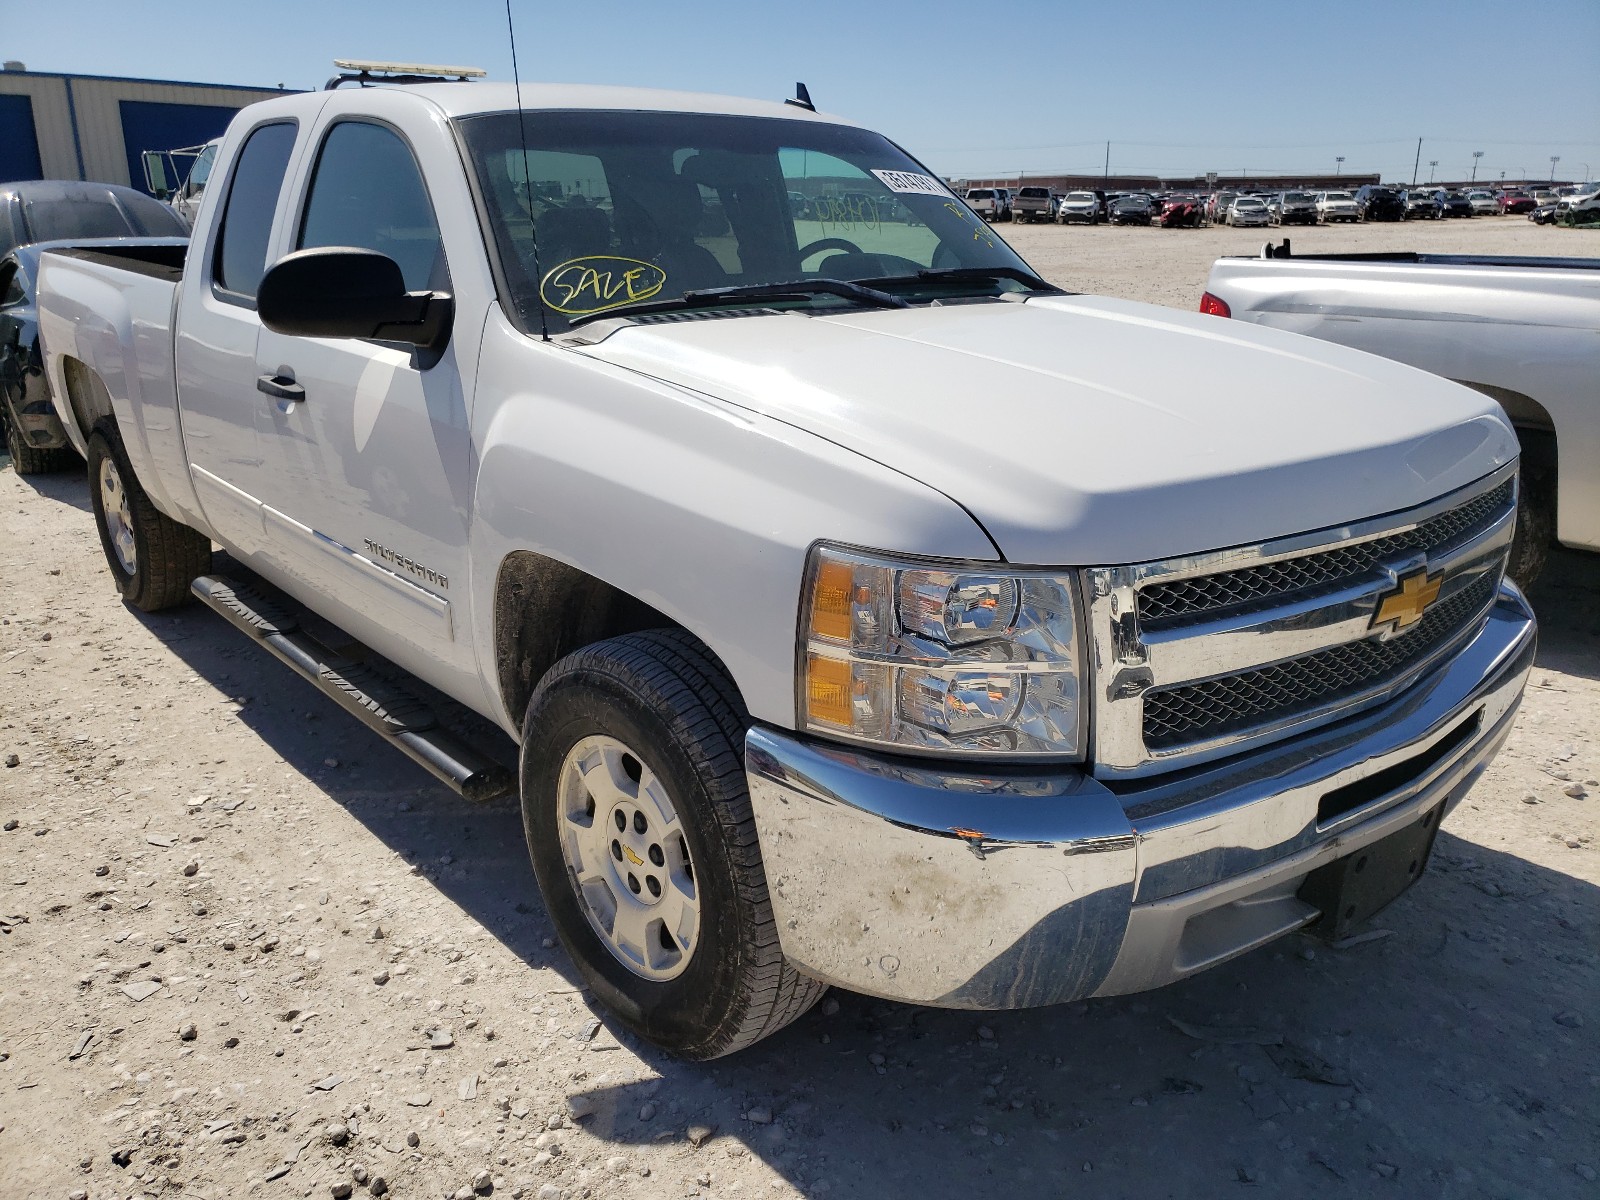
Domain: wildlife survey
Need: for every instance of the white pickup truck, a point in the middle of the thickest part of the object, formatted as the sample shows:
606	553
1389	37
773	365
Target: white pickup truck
1186	636
1523	331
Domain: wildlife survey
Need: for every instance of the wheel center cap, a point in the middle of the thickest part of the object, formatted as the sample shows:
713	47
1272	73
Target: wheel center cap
627	852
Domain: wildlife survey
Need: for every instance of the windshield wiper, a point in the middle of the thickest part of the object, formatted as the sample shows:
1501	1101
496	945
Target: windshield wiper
1021	274
796	289
973	275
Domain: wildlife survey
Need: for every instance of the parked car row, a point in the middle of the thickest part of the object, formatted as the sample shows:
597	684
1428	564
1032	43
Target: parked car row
1371	202
1579	205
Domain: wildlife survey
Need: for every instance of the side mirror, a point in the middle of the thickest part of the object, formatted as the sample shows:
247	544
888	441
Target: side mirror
345	292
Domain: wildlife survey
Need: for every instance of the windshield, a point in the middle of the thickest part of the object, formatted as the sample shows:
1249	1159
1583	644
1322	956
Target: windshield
201	171
1338	195
1081	197
1249	202
1297	197
91	214
628	207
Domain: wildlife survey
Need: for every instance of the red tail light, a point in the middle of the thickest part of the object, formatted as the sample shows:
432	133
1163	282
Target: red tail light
1214	305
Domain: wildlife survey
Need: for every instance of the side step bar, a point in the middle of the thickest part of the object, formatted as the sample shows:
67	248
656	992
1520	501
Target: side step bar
382	705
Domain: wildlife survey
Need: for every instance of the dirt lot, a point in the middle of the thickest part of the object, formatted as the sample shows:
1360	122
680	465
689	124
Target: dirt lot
350	975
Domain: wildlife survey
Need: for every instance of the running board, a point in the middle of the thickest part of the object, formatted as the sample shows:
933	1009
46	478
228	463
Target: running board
380	704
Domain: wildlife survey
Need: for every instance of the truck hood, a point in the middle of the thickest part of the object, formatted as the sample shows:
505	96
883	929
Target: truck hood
1081	430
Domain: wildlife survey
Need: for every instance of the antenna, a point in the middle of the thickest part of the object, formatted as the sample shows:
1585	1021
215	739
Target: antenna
802	98
527	179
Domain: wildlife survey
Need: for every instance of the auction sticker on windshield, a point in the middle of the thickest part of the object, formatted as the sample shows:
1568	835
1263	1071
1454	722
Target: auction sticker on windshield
592	284
913	182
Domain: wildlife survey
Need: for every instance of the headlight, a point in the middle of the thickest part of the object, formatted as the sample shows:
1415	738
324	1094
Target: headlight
941	658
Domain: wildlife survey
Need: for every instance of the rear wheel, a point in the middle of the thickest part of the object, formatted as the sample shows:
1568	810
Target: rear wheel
153	558
644	844
32	460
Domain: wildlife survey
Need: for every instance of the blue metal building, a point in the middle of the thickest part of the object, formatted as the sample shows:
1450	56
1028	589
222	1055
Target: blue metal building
96	127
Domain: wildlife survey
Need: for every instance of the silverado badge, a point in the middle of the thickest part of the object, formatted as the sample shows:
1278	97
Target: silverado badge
1405	604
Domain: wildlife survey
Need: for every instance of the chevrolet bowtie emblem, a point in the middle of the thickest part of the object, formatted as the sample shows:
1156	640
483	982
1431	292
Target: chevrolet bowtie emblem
639	862
1406	603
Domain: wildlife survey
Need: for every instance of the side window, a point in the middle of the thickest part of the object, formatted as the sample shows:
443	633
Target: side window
252	200
367	192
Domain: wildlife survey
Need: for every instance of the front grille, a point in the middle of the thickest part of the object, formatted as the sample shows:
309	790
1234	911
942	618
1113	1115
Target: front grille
1219	707
1163	605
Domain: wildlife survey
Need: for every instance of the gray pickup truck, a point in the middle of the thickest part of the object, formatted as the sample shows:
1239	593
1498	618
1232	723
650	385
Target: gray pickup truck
1033	204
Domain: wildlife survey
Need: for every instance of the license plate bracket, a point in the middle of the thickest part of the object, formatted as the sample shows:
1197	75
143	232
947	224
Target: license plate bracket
1353	889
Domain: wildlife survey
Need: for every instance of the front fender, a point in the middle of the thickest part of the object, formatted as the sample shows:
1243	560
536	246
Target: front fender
701	510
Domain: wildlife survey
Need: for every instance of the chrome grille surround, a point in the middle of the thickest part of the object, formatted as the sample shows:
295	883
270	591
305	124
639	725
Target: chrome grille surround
1167	603
1218	662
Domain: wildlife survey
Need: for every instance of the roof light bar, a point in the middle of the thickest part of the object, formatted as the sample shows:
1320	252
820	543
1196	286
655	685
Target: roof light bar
368	67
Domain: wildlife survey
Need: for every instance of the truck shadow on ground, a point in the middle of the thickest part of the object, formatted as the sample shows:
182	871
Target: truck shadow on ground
1298	1066
1566	599
69	487
1306	1069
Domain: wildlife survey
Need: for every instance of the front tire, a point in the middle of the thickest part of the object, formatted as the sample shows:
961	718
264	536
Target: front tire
153	558
674	934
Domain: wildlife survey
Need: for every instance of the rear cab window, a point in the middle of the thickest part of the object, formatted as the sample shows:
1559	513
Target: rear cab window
246	229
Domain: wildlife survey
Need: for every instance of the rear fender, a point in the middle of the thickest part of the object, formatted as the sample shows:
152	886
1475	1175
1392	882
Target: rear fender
103	357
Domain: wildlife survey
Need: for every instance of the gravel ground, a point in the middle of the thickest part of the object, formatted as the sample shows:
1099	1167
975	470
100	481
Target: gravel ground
247	950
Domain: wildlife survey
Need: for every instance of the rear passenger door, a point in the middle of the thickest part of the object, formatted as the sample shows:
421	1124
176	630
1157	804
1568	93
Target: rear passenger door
367	462
215	348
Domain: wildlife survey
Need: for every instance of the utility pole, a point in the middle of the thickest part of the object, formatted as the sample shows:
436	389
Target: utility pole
1338	164
1416	166
1476	155
1105	183
1554	159
1432	163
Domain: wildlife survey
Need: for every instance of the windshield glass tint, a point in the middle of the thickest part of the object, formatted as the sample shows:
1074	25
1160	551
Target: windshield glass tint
95	216
628	207
201	171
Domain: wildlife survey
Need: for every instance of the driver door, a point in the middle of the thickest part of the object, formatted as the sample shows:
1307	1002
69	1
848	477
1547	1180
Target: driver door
365	444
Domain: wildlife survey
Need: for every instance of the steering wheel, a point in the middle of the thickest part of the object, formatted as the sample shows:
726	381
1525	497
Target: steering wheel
828	244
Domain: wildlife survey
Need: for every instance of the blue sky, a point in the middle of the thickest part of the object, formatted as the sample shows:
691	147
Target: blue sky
971	89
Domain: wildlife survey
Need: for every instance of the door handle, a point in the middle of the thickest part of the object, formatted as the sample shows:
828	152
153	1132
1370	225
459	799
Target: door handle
280	387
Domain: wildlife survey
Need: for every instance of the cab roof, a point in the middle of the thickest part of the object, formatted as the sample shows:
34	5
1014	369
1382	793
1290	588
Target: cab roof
471	99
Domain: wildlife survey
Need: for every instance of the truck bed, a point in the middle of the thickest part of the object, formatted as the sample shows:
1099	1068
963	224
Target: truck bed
106	314
1283	252
163	260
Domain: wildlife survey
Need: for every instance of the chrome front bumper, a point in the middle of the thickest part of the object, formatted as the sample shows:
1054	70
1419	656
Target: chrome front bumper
915	882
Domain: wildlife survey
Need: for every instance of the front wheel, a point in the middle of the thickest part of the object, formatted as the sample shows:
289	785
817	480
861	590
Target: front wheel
153	558
644	844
